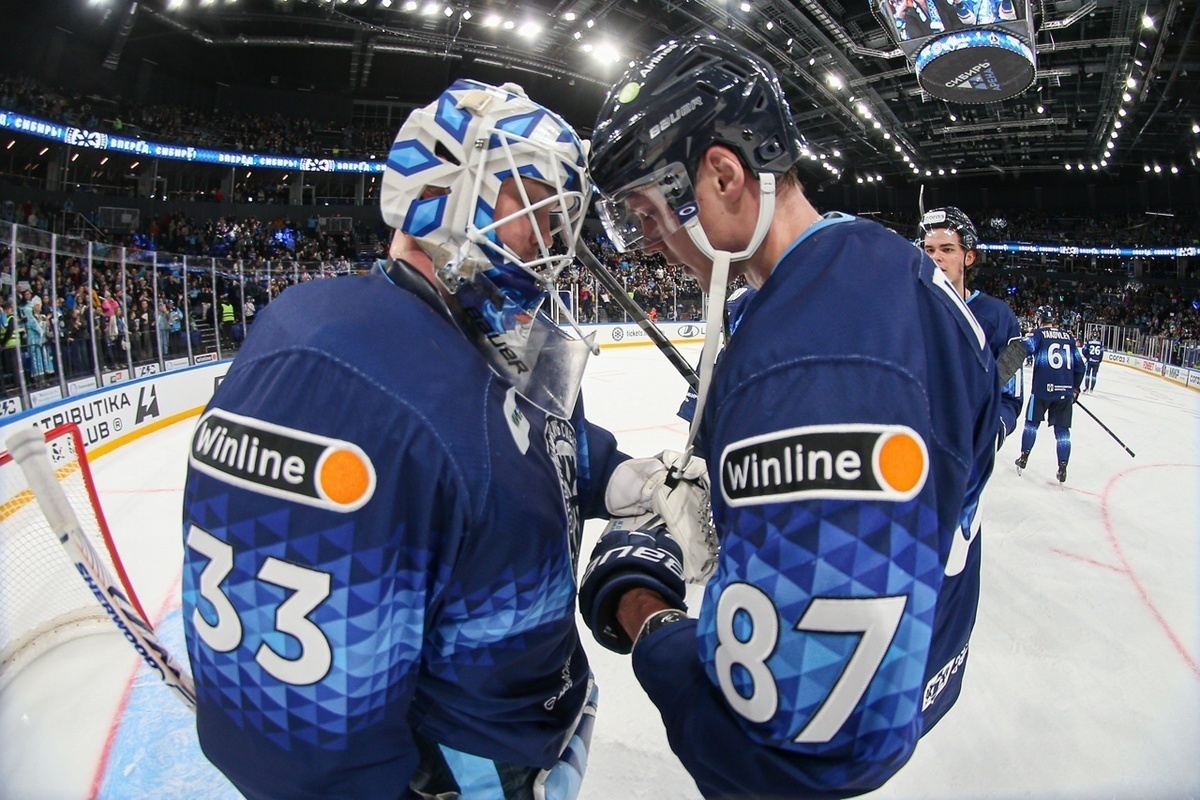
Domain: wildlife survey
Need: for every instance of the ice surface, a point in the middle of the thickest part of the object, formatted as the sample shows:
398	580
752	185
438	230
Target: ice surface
1083	680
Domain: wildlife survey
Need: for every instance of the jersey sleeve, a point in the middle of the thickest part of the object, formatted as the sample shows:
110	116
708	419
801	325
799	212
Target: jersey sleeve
306	612
815	630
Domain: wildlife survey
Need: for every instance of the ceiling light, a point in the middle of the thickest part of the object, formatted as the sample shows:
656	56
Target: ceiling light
466	13
410	5
1131	82
508	25
1117	125
941	172
1095	167
1145	167
837	153
1121	112
491	20
1127	97
1174	170
448	11
1068	166
577	35
1104	162
1157	169
745	7
591	23
42	152
569	16
1079	167
431	8
770	25
1147	21
385	3
1041	109
834	81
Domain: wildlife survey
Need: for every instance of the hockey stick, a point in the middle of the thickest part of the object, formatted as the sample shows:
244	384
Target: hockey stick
1106	430
614	287
28	449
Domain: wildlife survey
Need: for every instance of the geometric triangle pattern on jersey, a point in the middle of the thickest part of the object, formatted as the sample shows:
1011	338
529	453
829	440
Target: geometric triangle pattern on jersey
371	627
866	550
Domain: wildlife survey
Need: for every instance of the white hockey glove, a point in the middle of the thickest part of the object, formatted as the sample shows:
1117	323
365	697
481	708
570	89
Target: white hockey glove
677	492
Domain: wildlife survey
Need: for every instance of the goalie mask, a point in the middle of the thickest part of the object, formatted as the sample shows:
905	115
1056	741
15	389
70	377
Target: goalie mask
443	178
951	219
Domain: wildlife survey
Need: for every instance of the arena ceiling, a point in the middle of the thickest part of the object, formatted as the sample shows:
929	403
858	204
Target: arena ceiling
1102	66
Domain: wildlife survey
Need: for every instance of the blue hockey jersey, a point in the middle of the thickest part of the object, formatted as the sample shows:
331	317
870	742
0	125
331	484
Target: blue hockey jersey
1000	325
381	540
1057	363
1093	351
846	419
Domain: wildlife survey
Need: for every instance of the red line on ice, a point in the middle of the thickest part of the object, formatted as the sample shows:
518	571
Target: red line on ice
1141	589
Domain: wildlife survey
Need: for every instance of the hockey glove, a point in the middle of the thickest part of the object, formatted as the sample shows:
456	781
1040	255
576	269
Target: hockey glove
626	558
675	488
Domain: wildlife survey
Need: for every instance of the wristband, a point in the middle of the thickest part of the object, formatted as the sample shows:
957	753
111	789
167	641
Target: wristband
659	619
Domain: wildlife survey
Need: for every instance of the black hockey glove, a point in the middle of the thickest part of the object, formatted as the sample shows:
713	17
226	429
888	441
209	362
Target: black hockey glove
624	559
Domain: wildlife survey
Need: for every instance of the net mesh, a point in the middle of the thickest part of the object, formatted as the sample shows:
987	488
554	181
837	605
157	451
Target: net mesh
43	599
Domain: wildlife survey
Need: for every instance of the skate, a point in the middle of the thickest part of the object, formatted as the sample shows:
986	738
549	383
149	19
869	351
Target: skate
1022	460
965	15
1008	12
1062	472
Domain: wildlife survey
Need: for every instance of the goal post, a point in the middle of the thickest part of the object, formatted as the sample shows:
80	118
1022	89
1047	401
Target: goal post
60	573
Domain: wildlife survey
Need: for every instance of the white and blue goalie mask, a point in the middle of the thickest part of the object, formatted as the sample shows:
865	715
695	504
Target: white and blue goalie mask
444	174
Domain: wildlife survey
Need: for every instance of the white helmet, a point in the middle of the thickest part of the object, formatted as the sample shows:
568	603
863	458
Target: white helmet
444	173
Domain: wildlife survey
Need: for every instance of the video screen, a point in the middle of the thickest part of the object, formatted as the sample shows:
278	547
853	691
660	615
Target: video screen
916	19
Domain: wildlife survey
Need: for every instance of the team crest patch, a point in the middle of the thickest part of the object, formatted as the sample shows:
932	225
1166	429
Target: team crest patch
840	462
282	462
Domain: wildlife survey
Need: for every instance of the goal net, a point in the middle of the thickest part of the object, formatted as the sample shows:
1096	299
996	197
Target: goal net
43	599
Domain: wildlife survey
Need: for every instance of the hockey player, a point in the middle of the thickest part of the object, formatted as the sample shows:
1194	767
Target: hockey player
950	239
384	499
1057	376
841	425
1093	354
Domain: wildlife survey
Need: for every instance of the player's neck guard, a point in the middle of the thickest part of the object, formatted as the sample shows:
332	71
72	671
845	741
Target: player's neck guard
522	345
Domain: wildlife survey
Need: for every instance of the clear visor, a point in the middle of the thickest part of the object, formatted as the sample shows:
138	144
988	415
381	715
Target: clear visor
643	214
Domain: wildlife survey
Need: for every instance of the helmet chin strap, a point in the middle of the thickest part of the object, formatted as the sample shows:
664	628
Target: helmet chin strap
717	284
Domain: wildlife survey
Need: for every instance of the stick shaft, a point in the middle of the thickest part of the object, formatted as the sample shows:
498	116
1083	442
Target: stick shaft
614	287
1106	430
28	448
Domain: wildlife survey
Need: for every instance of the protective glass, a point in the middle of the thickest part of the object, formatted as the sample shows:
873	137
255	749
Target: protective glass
643	214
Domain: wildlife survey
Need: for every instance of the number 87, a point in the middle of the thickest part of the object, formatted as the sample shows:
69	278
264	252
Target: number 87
875	618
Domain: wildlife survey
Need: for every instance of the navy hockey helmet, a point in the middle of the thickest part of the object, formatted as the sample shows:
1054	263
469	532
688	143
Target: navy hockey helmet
1046	314
665	112
952	219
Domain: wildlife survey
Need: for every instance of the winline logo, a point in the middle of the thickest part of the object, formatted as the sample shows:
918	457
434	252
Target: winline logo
843	462
283	462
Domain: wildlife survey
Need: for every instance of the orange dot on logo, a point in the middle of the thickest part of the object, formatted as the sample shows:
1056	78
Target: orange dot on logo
344	478
901	462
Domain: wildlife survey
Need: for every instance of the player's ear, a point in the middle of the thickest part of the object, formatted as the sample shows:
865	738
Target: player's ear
724	168
970	258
